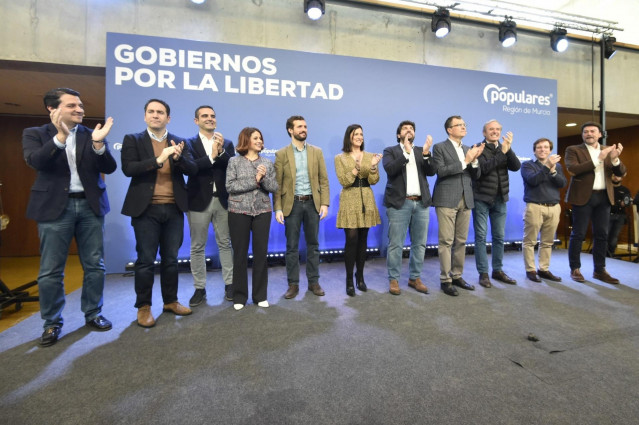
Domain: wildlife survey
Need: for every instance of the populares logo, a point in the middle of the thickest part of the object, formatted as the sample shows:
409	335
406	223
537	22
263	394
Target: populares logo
493	93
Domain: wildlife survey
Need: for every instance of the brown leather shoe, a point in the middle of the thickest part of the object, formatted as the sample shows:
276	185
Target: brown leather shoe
177	309
418	285
292	291
484	280
533	276
145	318
503	277
394	287
577	276
316	289
604	276
545	274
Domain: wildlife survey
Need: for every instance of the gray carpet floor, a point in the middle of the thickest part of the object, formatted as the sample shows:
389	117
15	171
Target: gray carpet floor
371	359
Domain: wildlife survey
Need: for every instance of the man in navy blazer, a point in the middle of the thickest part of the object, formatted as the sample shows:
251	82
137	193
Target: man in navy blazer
208	202
69	199
407	198
156	202
457	166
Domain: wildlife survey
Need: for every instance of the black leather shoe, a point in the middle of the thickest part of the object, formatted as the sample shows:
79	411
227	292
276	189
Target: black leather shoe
350	289
463	284
545	274
449	289
484	280
361	285
50	336
503	277
100	323
228	292
533	276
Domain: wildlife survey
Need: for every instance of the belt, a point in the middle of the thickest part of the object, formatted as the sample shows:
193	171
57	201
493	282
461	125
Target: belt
303	197
414	198
77	195
545	204
360	183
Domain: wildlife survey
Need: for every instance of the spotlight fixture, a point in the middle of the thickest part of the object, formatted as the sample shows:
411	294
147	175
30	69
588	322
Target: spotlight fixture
508	32
198	1
441	23
314	8
609	46
558	40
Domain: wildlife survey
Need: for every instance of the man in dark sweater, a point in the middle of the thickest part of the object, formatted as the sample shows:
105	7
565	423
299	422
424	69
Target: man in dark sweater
491	194
618	217
543	178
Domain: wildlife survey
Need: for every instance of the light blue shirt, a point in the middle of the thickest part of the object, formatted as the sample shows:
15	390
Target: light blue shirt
75	184
302	181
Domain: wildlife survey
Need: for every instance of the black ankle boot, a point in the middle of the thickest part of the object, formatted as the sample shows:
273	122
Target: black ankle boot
361	285
350	289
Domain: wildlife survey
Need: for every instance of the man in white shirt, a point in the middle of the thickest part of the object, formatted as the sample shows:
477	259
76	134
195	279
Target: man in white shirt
591	194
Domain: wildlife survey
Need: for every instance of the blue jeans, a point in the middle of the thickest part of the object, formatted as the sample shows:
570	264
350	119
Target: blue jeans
79	220
303	213
497	214
160	226
597	210
414	217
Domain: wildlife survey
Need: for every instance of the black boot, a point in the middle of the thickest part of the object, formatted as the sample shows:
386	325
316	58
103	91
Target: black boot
361	285
350	289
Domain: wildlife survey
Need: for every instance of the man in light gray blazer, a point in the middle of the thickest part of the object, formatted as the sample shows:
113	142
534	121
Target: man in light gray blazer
457	166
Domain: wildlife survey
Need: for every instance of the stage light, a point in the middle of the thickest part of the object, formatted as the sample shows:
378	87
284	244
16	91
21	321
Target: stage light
198	1
440	23
314	8
508	32
558	40
609	46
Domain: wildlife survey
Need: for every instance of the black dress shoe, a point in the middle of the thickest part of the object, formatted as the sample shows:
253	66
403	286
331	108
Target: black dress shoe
484	280
449	289
350	289
100	323
361	285
50	336
545	274
503	277
533	276
463	284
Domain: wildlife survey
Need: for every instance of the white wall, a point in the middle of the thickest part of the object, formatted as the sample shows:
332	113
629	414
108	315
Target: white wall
74	32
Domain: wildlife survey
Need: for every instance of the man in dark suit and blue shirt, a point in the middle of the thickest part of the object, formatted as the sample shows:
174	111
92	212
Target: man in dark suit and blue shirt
156	202
407	198
591	194
543	178
456	166
69	199
208	202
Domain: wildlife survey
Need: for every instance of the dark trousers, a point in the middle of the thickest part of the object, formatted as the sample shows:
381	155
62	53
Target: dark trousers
597	210
241	226
160	226
615	224
355	251
302	214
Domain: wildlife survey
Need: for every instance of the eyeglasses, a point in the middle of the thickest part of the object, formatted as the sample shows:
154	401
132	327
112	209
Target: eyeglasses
459	125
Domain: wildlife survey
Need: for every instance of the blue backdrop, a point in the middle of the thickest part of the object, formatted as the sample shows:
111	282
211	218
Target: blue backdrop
260	87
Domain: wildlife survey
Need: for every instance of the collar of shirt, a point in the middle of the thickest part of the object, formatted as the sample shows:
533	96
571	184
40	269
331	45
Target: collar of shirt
295	149
457	145
154	137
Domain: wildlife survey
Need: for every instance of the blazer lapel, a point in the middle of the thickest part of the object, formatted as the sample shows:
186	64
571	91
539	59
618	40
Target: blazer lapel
291	163
81	142
147	145
198	146
310	158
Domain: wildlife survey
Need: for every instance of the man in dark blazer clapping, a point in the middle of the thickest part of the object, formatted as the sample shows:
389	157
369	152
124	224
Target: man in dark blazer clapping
457	166
208	202
69	199
407	198
156	202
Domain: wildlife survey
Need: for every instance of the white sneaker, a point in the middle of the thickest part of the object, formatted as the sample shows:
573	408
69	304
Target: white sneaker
263	304
238	306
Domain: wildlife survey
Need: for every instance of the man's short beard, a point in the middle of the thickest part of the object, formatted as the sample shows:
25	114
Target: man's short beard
299	138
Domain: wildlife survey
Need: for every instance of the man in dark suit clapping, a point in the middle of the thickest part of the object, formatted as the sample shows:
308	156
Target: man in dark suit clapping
69	199
457	166
156	202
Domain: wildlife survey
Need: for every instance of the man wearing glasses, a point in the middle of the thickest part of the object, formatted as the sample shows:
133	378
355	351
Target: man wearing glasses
457	166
